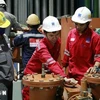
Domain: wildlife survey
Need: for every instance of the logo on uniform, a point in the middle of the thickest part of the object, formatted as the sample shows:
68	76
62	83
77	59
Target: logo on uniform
72	39
88	40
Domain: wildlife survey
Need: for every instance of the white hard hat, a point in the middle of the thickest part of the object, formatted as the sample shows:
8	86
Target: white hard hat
82	15
33	19
3	2
51	24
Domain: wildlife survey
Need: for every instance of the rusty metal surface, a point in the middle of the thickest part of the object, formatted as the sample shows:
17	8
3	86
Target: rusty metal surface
36	80
92	79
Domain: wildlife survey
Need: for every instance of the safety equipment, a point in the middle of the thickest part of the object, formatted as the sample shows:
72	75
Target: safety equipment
4	23
82	15
33	19
51	24
3	2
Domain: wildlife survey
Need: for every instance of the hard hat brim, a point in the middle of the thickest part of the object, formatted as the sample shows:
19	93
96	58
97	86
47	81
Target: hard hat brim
75	19
52	30
6	24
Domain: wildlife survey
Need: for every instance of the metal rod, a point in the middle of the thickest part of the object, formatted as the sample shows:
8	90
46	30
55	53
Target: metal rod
43	72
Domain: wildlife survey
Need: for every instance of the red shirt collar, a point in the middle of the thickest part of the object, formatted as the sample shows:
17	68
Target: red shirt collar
85	33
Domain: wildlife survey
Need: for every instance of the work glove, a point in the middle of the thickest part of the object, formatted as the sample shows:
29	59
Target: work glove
70	82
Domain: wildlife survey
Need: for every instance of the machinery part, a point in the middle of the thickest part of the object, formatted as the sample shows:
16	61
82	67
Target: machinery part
81	96
59	93
73	97
49	87
93	78
43	71
83	84
93	81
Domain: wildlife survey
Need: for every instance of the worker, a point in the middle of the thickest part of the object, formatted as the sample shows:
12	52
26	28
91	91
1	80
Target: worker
6	64
48	49
82	46
28	40
13	20
46	52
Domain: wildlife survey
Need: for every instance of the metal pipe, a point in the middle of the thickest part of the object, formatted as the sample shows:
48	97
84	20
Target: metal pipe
43	71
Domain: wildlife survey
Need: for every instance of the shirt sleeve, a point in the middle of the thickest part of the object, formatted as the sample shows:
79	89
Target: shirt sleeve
96	48
15	24
19	40
46	58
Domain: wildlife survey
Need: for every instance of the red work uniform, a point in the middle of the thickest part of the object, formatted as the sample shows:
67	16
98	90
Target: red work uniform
81	52
46	54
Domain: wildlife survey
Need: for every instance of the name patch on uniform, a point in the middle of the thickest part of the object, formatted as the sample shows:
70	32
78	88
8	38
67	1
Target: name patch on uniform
72	39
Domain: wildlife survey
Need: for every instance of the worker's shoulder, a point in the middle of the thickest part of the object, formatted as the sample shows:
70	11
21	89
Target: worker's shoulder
72	32
9	15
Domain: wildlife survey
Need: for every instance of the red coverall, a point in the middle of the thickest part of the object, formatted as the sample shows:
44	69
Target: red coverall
81	52
46	54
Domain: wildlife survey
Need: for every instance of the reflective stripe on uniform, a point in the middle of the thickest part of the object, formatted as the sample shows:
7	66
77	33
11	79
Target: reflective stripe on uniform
49	61
33	35
96	55
66	52
33	44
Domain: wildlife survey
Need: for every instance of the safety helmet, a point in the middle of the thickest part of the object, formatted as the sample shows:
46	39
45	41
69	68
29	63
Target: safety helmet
33	19
51	24
82	15
2	2
3	21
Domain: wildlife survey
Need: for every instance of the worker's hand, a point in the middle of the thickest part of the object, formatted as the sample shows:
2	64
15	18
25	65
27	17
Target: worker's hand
93	70
40	29
15	75
70	81
25	29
